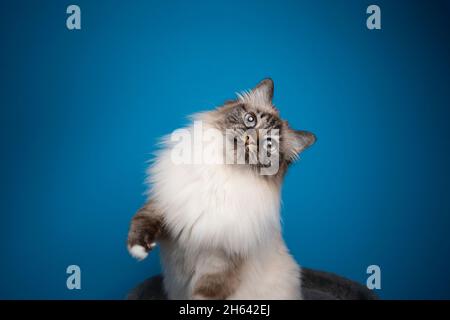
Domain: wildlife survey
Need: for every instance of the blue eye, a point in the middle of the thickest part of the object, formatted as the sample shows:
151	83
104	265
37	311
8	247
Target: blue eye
270	145
250	120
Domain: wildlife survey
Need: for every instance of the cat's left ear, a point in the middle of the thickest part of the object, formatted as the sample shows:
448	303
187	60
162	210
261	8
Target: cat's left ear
264	90
297	141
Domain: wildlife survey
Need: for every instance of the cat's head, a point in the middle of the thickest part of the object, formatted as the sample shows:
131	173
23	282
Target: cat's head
252	121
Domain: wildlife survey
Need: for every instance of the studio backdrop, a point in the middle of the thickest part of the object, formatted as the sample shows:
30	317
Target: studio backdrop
83	106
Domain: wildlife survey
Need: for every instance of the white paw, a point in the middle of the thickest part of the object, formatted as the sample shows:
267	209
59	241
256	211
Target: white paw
138	251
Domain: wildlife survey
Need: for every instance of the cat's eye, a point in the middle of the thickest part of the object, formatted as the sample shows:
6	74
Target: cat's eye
270	145
250	120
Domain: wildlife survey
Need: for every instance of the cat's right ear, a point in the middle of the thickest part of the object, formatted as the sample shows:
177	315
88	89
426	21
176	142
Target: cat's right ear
264	90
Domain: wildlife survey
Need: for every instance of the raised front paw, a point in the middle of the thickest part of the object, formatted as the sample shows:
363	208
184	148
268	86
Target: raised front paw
144	230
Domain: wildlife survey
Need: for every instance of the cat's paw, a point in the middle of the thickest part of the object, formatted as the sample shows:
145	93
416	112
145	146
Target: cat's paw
139	252
140	243
142	236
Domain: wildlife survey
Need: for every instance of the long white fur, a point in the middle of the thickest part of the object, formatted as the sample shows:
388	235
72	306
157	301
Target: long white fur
216	211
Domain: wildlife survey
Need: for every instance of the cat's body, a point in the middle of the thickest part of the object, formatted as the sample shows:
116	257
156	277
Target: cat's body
218	225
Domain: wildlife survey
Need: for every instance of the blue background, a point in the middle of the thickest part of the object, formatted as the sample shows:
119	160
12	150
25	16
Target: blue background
81	112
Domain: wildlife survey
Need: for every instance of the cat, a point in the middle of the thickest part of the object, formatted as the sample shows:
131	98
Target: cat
218	224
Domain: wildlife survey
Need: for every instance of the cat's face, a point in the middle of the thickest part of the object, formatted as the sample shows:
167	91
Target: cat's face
253	122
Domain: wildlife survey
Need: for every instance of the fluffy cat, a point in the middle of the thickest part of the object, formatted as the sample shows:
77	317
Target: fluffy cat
218	223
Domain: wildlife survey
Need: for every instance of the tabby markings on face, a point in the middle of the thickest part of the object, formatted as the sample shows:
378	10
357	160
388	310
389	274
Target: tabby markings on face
247	131
256	148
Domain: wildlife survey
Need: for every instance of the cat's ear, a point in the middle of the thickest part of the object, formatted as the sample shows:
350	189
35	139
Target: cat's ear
296	141
264	90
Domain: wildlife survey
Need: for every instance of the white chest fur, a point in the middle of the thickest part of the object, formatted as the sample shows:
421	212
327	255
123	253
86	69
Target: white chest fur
223	206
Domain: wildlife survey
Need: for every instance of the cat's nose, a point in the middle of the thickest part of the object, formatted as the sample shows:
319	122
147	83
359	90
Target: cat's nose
249	140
